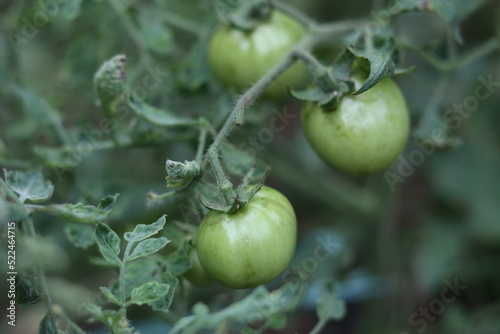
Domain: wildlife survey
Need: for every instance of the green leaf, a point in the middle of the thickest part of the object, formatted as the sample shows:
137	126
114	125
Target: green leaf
193	72
81	236
70	10
147	247
248	310
95	310
109	296
27	288
156	36
29	185
39	109
48	324
328	305
80	213
143	231
157	116
150	269
61	157
108	242
164	303
178	262
149	293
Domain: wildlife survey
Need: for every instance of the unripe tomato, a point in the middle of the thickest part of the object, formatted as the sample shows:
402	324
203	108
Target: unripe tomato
364	134
239	58
197	274
251	246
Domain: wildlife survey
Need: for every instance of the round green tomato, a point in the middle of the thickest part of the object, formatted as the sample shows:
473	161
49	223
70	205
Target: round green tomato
239	58
251	246
364	134
197	274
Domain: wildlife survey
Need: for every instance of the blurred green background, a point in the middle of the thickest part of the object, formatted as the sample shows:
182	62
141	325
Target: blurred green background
397	248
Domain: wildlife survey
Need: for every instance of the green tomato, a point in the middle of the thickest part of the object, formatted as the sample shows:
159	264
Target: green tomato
364	134
239	58
197	275
251	246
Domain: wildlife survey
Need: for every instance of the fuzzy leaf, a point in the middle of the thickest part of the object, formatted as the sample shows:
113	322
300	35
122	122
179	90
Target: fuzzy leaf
149	293
178	262
109	296
147	247
29	185
143	231
82	236
108	242
247	310
157	116
80	213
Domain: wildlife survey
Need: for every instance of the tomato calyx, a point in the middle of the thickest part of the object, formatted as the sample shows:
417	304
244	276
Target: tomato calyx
250	14
228	200
331	84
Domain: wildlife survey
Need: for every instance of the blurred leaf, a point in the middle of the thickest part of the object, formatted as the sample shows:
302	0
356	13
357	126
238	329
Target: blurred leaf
110	296
248	310
70	10
328	305
4	152
48	324
23	129
149	293
466	7
156	36
27	288
472	169
80	213
39	109
178	262
61	157
143	231
80	235
157	116
193	72
29	185
108	242
147	247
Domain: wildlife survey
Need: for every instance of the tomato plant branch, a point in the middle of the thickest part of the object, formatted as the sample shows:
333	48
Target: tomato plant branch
319	326
121	280
479	52
294	12
338	194
182	23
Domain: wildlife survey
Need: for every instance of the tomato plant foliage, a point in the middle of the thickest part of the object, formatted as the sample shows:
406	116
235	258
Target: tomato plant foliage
250	166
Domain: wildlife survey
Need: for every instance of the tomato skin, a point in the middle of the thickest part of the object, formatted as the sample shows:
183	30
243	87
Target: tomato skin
251	246
364	134
197	275
238	58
